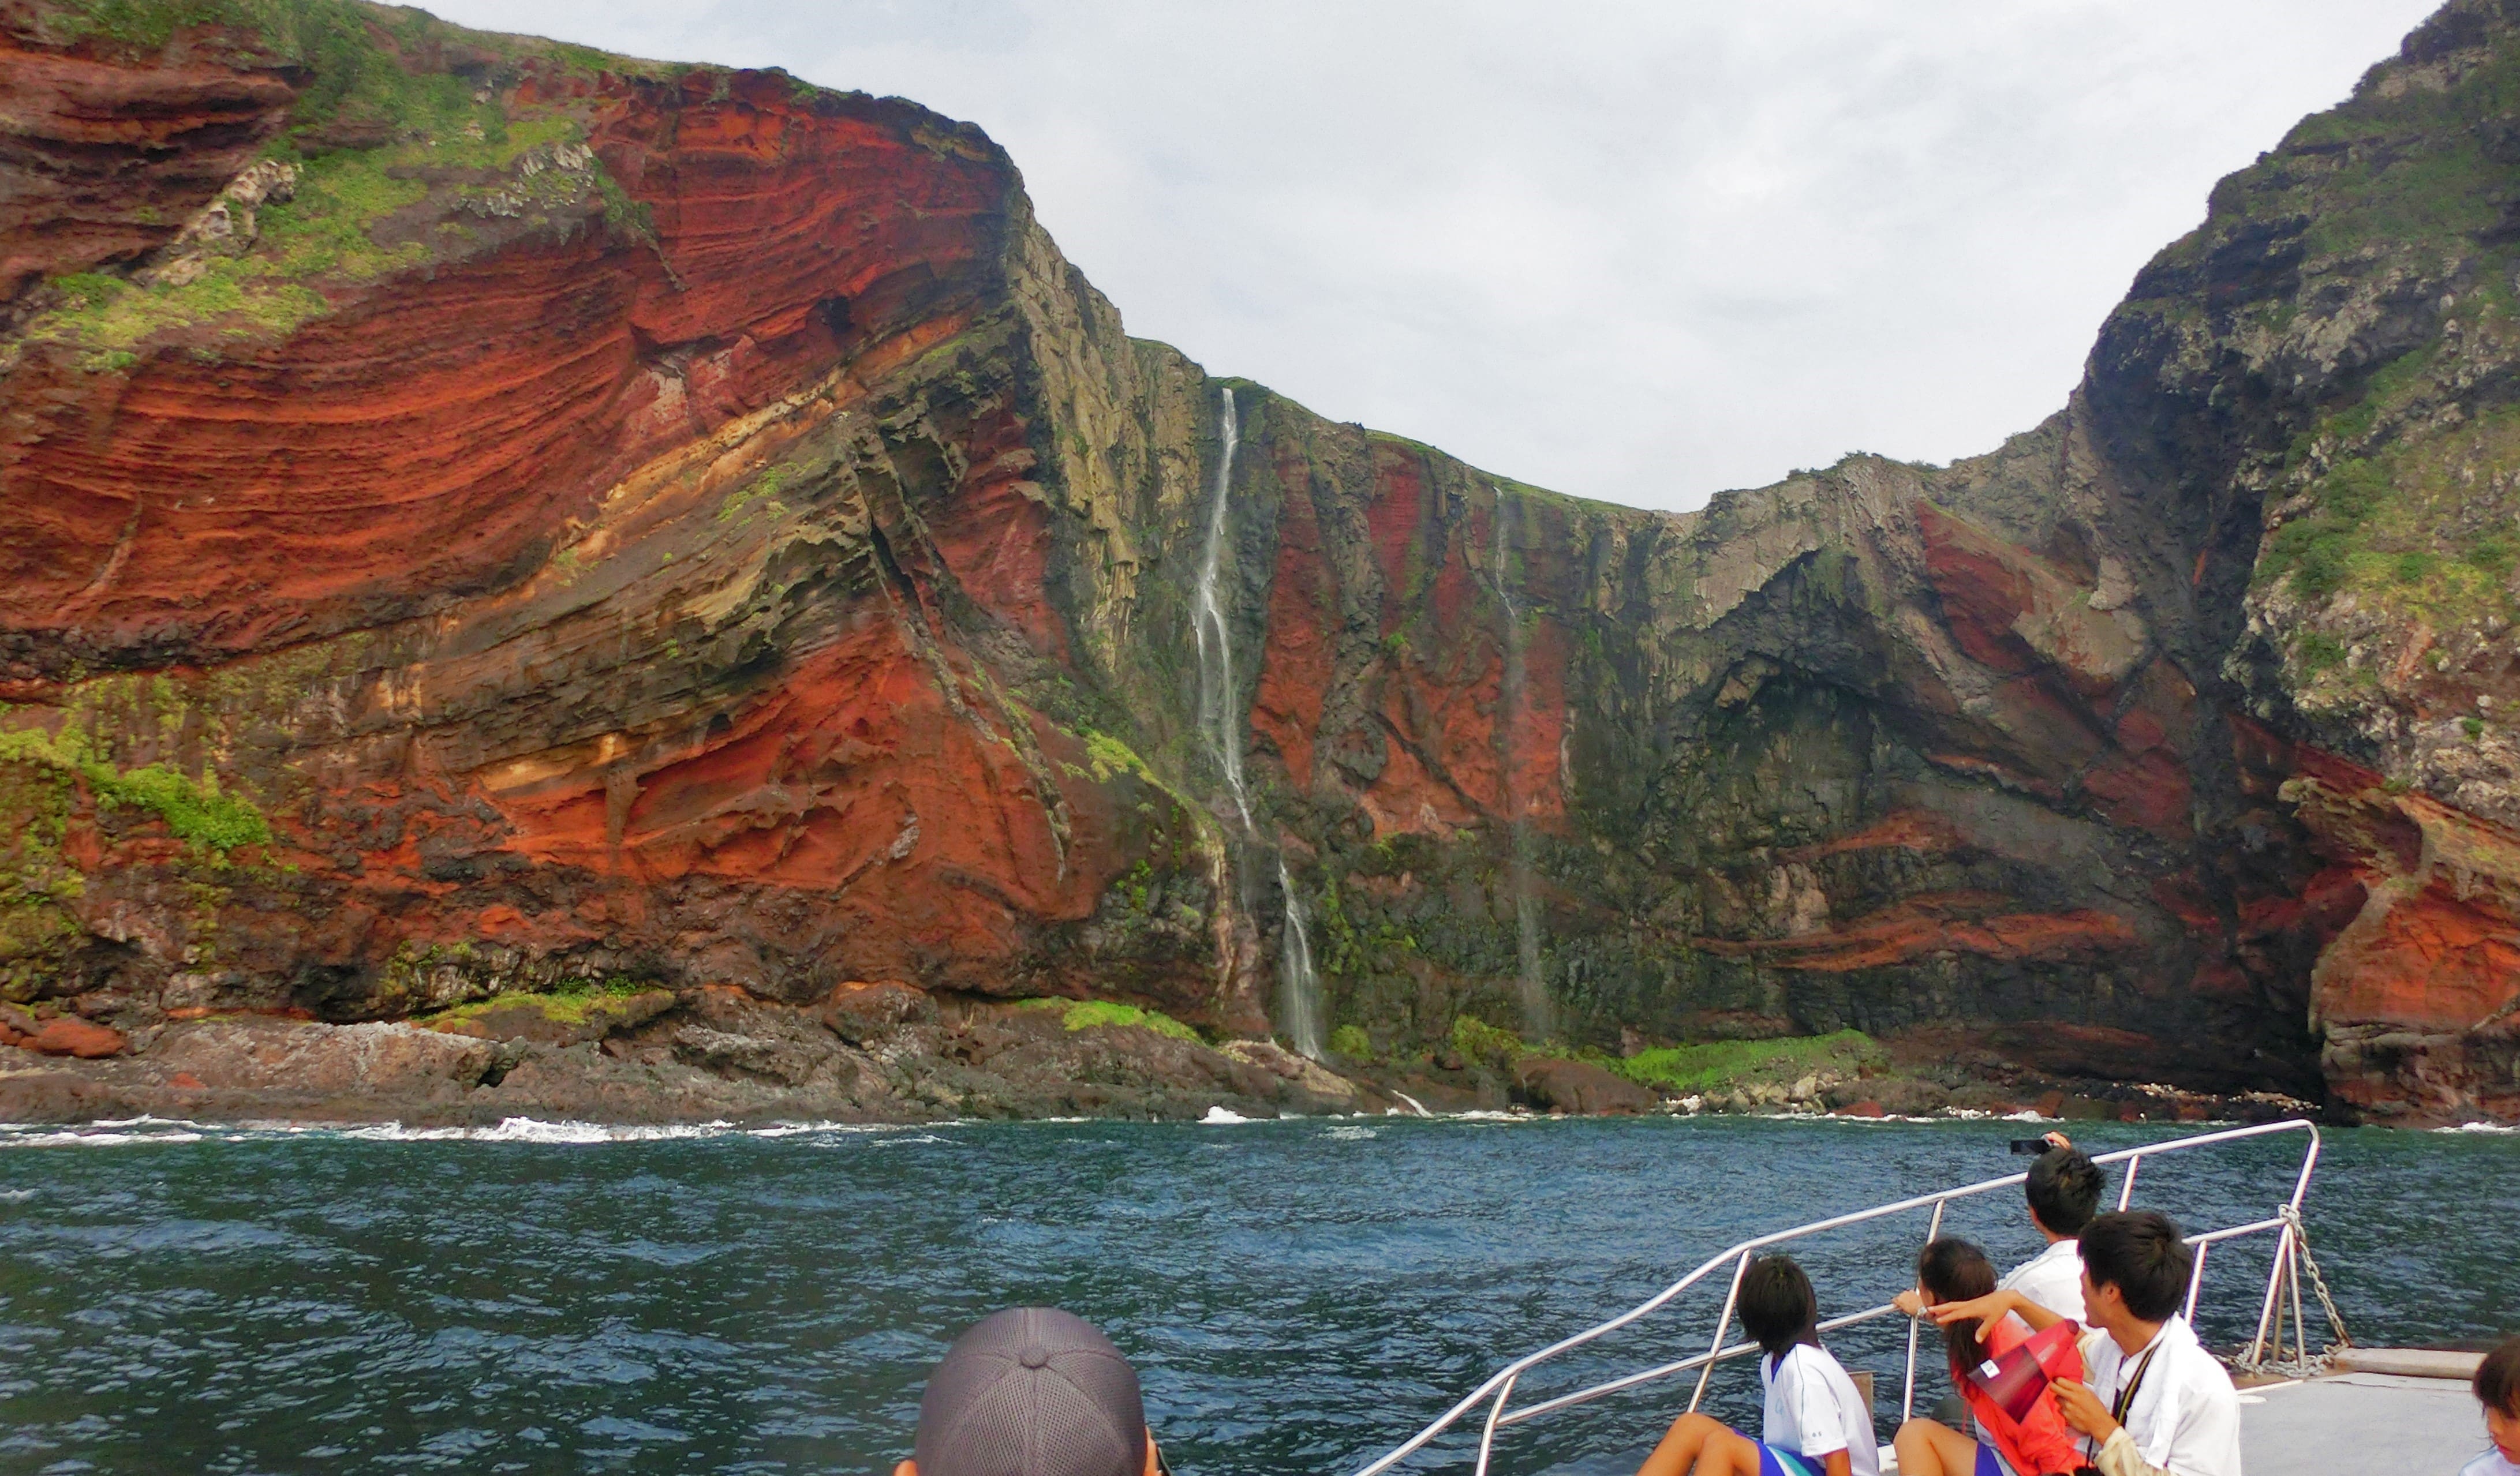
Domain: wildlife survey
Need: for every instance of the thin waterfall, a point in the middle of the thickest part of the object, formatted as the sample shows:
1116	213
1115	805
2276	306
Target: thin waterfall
1531	988
1215	644
1300	985
1301	991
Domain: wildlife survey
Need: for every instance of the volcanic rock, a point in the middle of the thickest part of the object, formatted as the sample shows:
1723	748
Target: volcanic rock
1555	1084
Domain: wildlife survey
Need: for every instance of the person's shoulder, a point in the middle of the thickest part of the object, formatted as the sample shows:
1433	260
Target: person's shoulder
2488	1462
2205	1372
1806	1360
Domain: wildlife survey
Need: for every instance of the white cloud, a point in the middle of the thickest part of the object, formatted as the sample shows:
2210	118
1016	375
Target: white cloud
1638	250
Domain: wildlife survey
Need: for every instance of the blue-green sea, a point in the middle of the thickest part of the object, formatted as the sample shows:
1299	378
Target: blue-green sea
1297	1296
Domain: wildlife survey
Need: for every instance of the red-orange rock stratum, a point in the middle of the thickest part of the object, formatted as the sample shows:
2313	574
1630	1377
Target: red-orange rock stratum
494	518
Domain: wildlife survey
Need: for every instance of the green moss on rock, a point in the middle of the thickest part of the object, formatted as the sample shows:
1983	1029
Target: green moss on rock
1702	1067
1084	1014
195	810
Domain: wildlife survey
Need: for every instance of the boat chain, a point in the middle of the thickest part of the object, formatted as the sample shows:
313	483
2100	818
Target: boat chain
2299	1367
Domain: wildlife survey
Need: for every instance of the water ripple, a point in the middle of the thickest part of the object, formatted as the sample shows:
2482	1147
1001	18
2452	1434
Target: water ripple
1296	1295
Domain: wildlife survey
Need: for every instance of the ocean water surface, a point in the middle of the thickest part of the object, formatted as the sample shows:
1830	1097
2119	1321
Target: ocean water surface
1297	1296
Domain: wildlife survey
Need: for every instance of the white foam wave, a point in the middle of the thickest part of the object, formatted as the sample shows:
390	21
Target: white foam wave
2481	1127
1350	1134
15	1196
75	1138
821	1129
535	1129
1221	1116
145	1121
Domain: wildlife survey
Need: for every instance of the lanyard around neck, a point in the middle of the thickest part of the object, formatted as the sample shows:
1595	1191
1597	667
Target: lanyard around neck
2126	1394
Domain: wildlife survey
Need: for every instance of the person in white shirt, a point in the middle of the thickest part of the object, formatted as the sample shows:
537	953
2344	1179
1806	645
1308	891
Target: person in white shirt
1814	1422
2158	1404
2063	1188
2498	1389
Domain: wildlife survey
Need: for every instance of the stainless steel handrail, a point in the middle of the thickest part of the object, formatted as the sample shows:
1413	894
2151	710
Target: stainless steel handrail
1498	1390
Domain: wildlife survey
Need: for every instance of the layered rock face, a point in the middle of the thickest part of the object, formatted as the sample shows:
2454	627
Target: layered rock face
567	518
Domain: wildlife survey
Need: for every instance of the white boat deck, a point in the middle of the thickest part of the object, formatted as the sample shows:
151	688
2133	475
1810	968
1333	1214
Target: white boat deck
2359	1424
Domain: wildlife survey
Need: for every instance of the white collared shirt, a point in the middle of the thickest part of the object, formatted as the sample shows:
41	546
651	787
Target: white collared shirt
1813	1408
2052	1278
2491	1464
2185	1416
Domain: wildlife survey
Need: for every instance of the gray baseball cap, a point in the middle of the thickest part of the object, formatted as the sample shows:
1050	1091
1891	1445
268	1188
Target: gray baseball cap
1031	1390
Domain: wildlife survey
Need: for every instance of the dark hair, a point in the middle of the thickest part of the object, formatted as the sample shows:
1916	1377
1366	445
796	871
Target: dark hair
2063	1190
1957	1271
2141	1254
1777	1308
2498	1378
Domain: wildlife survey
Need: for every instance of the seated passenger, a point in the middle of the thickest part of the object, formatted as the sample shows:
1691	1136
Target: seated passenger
2158	1404
1032	1390
1815	1421
2038	1442
2063	1190
2498	1389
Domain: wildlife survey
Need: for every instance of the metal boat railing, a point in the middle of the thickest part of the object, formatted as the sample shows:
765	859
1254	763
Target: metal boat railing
1497	1393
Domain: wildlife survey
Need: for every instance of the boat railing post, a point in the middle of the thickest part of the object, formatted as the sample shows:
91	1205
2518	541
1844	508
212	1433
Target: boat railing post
1723	1324
2126	1190
2300	1327
1487	1437
2196	1279
1916	1325
2309	1161
2275	1292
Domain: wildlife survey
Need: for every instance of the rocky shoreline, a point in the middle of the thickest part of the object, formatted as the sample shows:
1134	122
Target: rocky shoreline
893	1053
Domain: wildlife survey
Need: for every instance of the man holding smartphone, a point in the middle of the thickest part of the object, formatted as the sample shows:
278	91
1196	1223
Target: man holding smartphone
2063	1190
2064	1193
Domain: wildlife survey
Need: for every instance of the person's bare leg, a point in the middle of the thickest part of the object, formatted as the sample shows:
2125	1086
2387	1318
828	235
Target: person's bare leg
1930	1447
1727	1455
1680	1445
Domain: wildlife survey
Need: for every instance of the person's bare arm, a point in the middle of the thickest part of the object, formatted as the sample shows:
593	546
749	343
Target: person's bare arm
1989	1309
1838	1463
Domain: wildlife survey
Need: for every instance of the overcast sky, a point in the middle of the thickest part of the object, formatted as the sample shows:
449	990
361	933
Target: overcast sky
1637	249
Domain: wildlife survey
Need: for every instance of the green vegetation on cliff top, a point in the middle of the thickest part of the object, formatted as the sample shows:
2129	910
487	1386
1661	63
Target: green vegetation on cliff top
2405	182
414	126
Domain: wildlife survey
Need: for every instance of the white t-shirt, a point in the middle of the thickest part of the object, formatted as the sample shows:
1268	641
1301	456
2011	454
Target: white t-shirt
2491	1464
2052	1278
1812	1407
2185	1416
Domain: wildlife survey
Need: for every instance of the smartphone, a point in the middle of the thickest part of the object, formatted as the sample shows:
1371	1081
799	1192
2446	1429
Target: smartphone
2030	1147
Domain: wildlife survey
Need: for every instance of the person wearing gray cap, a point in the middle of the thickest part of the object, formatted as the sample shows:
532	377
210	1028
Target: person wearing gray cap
1032	1390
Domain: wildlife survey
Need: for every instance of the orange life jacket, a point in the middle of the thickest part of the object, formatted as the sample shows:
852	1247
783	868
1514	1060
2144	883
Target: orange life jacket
2039	1443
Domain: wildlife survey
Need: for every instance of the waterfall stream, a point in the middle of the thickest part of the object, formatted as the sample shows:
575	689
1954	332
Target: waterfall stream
1299	1005
1531	989
1215	645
